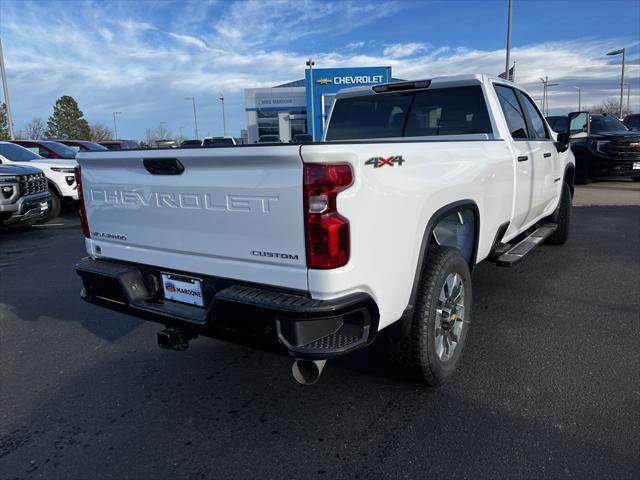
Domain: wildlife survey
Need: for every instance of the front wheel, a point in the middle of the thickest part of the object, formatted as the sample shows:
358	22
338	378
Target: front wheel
55	204
432	348
635	179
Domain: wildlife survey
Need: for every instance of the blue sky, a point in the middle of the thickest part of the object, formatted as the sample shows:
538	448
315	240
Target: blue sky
143	58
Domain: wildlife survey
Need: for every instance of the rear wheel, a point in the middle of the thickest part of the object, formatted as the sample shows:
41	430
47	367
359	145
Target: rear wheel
635	179
561	217
431	350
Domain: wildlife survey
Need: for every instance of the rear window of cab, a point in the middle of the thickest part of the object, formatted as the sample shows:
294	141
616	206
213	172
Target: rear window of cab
442	111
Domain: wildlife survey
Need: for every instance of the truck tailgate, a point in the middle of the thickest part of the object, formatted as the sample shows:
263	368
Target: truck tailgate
232	212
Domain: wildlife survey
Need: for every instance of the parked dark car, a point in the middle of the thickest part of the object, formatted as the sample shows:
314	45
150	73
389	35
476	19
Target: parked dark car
269	139
47	148
632	121
120	144
602	144
191	144
302	138
83	145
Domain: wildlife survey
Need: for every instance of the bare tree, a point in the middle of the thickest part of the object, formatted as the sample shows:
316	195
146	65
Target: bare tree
34	130
149	137
163	133
100	132
610	106
160	133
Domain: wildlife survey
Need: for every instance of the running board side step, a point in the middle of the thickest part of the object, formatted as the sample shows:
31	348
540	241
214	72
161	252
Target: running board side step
516	253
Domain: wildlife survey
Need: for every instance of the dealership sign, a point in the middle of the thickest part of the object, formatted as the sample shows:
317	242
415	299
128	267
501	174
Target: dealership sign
275	102
328	81
352	80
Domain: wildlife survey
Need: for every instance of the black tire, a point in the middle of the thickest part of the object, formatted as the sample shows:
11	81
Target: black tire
417	351
635	179
562	218
583	170
55	204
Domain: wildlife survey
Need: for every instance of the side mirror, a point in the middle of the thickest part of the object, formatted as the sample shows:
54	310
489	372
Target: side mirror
562	144
579	125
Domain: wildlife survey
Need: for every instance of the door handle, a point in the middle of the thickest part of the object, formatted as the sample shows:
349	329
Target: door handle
523	158
547	155
163	166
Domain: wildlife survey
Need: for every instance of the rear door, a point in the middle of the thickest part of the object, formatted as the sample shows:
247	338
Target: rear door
524	186
229	212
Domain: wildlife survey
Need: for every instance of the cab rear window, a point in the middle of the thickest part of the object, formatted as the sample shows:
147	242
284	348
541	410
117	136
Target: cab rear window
443	111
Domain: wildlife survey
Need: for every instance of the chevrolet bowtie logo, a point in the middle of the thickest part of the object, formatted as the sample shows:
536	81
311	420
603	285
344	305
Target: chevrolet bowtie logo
323	81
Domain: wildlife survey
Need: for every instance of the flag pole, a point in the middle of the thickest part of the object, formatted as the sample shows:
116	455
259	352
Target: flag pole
507	62
5	88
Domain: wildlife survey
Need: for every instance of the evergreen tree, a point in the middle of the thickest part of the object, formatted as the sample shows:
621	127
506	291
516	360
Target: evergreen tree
67	121
4	122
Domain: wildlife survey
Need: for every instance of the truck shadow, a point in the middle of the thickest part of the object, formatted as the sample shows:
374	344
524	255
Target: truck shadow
232	412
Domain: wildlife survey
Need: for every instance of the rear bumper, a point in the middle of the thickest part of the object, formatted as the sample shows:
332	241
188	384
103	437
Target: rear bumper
286	320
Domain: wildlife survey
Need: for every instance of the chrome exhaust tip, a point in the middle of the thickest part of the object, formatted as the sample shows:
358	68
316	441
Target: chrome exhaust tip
307	372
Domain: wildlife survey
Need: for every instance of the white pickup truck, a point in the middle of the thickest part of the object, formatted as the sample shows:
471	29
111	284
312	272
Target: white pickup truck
315	249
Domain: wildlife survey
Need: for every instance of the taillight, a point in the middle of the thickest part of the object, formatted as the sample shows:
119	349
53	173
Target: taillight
83	210
326	231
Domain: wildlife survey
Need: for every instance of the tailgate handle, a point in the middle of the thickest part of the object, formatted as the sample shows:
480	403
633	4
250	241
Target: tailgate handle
163	166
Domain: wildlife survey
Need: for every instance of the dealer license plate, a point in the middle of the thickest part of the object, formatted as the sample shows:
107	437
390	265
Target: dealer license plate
636	165
179	288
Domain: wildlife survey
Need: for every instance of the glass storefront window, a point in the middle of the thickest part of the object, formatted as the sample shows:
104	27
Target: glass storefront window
268	122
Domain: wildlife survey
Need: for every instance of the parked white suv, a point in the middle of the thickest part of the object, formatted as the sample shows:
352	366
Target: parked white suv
59	172
226	141
319	248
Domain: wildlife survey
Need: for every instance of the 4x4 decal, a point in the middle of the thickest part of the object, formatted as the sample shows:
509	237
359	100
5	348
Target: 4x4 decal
379	162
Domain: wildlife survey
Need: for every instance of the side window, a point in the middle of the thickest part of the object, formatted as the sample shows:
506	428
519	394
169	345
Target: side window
448	111
558	124
512	112
43	152
369	116
31	147
539	129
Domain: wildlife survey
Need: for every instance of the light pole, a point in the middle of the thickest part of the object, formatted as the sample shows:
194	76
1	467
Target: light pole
507	62
618	52
224	119
5	88
195	117
628	94
310	64
115	125
545	94
579	93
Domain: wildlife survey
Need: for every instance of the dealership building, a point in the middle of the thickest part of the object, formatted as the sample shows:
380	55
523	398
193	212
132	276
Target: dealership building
286	110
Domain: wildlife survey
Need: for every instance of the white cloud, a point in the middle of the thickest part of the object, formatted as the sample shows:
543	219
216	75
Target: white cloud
403	50
146	70
355	45
188	40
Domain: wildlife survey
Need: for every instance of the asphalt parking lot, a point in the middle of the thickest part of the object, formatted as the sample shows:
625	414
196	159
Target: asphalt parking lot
549	387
